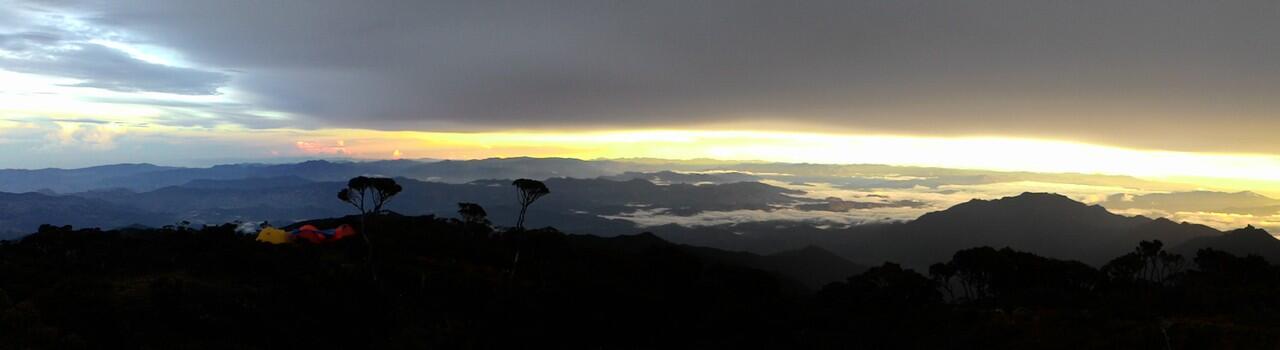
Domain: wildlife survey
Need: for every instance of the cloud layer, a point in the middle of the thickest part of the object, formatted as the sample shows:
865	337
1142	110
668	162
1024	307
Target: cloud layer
940	198
54	46
1186	76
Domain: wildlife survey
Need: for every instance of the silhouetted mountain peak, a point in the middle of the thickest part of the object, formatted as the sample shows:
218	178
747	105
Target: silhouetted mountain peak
1029	207
1244	241
1049	224
1042	199
1038	199
1251	233
1251	194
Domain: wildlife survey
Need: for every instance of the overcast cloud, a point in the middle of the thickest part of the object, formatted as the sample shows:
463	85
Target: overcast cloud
1180	75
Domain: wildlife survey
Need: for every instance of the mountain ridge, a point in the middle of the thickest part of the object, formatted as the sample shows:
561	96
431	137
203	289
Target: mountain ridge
1244	241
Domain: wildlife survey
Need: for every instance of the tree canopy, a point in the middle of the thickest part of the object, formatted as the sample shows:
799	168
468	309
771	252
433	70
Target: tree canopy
528	191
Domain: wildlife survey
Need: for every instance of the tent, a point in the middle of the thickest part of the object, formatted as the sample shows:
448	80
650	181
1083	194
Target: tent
344	231
273	235
311	234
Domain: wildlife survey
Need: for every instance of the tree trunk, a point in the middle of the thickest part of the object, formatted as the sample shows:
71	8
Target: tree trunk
364	232
520	219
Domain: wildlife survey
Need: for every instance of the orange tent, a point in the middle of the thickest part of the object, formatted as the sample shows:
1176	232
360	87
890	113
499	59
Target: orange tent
344	231
310	234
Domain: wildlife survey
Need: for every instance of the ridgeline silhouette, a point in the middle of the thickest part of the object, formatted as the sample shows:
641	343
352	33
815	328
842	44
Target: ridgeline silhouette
451	283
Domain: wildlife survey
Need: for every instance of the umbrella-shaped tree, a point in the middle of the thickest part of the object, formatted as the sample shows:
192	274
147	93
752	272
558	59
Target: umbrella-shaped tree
369	195
528	191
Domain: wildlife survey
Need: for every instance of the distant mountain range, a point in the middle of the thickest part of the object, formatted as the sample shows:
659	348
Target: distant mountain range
1197	201
23	213
145	177
595	197
576	206
1045	224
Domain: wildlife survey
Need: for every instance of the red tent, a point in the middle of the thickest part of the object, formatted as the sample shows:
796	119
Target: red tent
344	231
311	234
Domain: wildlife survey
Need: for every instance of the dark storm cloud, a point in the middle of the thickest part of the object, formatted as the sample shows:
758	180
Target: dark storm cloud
1187	75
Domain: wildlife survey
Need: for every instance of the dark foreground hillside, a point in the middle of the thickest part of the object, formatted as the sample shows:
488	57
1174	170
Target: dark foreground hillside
445	284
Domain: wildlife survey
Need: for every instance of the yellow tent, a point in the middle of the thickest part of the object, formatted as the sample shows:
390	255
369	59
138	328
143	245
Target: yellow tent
273	235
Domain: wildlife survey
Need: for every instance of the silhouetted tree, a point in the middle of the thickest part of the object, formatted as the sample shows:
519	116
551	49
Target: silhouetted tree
472	213
528	191
1009	277
892	307
974	268
1148	262
885	287
474	218
942	273
890	284
369	195
1228	269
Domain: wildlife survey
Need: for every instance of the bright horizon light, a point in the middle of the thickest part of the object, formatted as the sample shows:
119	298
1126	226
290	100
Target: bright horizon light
981	153
114	128
985	153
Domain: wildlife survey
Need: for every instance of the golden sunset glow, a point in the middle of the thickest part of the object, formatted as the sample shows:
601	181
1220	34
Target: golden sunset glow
1010	154
1218	171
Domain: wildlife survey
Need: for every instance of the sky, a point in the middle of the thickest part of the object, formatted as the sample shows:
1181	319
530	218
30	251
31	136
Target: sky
1172	89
